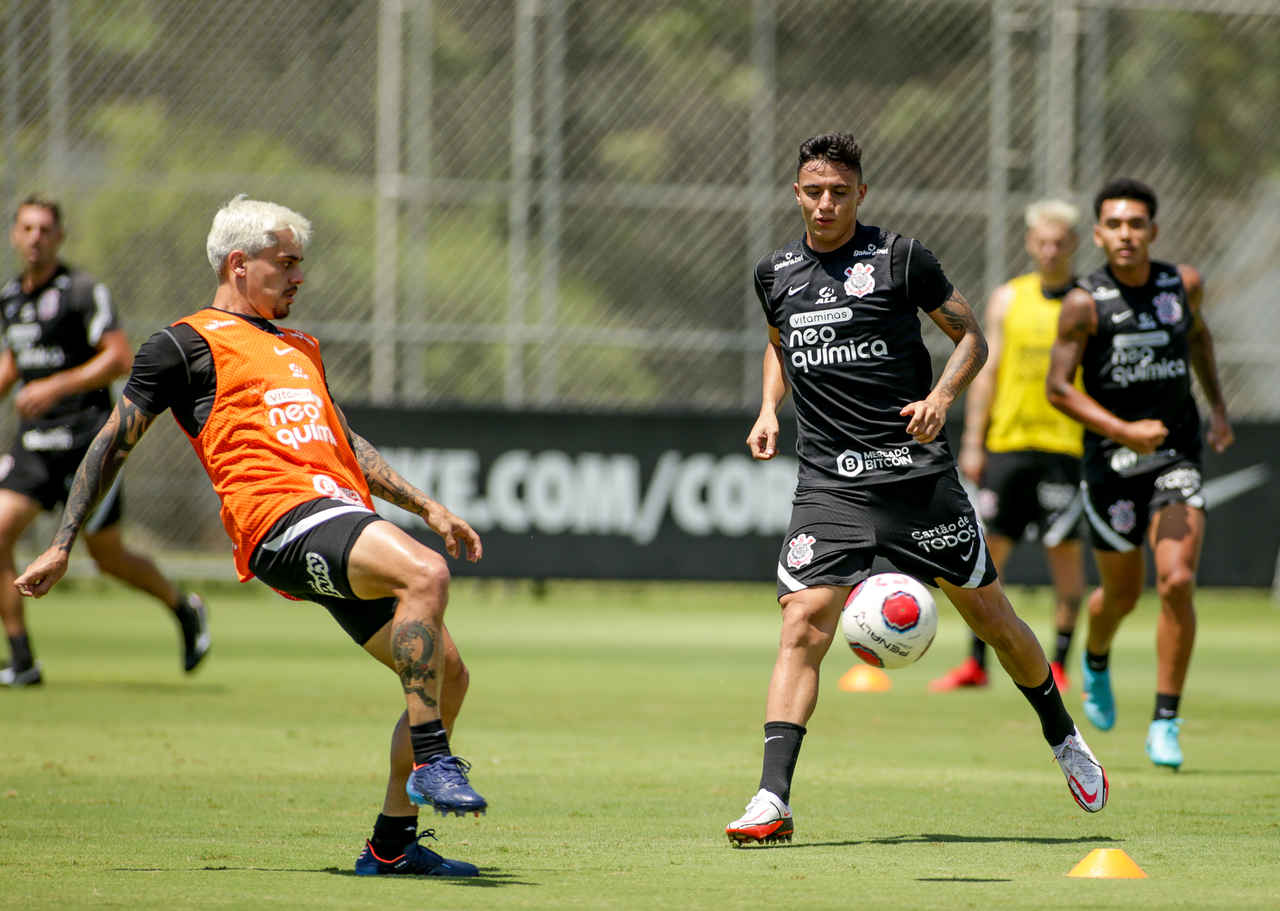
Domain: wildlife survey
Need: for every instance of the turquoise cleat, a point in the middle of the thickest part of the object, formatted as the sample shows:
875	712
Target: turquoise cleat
1099	705
1162	742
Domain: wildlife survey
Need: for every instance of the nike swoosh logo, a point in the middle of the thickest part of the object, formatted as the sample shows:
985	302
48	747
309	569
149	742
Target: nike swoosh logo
774	737
1121	317
1227	487
1048	688
797	289
1088	798
285	350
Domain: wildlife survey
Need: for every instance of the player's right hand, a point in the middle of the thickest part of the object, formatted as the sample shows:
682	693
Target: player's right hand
971	461
1144	436
763	438
43	573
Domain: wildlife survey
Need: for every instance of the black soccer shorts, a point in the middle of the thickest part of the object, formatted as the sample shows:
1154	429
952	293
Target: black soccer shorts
1031	489
1119	507
304	556
926	527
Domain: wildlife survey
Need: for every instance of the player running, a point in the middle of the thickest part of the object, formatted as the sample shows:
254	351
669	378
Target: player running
876	475
295	484
1135	330
1023	454
64	346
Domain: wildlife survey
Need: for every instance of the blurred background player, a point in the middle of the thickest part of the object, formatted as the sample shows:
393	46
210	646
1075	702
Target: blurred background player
1135	330
876	475
1021	452
64	345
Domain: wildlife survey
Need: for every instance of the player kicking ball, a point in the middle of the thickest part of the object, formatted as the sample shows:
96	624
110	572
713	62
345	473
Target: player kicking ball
876	476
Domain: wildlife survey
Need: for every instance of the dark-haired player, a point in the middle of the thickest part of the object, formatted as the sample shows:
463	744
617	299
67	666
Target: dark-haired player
1135	330
63	347
876	475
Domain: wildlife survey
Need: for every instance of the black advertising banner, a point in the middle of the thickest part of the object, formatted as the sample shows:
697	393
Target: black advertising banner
676	496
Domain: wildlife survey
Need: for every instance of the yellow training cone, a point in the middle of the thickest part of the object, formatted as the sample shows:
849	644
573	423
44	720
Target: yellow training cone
863	678
1108	863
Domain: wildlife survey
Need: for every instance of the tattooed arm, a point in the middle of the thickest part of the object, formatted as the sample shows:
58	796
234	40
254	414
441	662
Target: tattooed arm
386	483
102	462
955	317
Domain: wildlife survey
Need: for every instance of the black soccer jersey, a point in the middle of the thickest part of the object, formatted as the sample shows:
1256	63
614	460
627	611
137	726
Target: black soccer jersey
58	327
850	331
1136	365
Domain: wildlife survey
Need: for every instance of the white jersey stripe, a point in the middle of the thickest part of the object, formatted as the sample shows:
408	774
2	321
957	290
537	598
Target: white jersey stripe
1098	524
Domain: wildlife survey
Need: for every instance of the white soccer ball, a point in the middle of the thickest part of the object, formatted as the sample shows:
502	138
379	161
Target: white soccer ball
889	620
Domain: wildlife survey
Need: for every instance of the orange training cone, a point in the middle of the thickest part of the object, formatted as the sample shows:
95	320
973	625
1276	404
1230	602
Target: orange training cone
863	678
1107	863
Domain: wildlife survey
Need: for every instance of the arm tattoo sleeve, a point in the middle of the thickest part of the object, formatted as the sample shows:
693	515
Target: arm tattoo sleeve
971	347
385	482
102	462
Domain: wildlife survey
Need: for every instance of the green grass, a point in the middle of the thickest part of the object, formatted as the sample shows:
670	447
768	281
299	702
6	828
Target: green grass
614	729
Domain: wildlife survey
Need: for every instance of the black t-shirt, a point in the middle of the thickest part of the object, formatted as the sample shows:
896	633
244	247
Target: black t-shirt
850	330
174	369
57	327
1137	365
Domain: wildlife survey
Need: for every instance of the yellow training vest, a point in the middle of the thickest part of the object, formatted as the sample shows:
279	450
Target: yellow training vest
1021	416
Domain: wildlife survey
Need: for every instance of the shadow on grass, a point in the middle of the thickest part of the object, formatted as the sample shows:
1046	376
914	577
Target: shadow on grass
489	878
939	838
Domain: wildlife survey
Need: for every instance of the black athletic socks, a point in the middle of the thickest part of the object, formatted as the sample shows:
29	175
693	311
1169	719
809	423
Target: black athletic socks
20	657
391	834
1097	663
781	750
429	741
1166	706
1062	645
979	652
1055	723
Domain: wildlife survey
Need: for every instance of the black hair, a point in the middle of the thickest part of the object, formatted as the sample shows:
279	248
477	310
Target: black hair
837	148
43	202
1126	188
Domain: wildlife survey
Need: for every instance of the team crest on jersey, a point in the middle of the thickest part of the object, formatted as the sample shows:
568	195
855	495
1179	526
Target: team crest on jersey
1122	516
800	550
858	280
47	305
1168	307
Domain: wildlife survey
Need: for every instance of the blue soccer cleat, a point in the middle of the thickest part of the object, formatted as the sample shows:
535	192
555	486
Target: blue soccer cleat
443	784
1099	704
414	860
1162	742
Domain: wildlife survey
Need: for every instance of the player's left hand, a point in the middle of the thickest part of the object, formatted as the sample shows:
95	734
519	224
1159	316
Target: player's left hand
43	573
37	397
458	536
926	422
1220	434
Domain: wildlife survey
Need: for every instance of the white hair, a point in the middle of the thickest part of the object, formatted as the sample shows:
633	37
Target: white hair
1054	210
251	225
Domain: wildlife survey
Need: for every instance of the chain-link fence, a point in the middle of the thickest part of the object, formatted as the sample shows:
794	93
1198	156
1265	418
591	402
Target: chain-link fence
533	203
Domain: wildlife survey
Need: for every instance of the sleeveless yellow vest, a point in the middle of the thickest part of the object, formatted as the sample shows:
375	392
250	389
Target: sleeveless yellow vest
1021	416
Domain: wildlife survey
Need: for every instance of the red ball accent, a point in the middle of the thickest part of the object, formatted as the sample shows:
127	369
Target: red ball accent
900	611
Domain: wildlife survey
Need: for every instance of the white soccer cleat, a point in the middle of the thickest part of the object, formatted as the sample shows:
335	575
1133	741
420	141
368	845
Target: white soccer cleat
1085	776
767	819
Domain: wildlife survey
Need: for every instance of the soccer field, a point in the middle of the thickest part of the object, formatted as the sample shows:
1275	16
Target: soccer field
614	729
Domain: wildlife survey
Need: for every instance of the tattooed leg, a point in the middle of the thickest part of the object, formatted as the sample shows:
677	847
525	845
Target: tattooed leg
417	655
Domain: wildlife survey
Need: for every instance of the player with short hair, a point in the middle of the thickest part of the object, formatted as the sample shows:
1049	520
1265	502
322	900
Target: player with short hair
296	486
64	345
1135	330
1024	454
876	476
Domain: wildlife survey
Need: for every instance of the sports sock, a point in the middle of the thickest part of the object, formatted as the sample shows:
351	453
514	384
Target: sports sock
429	741
979	652
781	750
1055	723
1166	706
391	834
1097	662
1062	645
20	657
